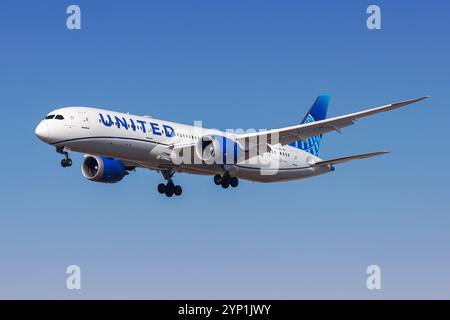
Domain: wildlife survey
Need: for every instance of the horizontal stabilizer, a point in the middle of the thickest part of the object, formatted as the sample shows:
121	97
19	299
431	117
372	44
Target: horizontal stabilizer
350	158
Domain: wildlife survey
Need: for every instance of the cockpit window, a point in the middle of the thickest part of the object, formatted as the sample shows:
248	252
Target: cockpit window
59	117
50	116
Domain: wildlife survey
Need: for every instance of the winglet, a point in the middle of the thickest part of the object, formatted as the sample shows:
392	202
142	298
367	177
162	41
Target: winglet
350	158
406	102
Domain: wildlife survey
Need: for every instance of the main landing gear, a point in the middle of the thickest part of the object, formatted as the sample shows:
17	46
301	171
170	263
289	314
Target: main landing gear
226	180
169	189
66	162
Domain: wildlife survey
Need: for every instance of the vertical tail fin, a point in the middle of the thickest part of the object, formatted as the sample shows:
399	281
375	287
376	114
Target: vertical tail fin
317	112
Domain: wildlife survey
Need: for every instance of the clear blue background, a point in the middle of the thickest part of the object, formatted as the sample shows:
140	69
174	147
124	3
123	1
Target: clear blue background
232	64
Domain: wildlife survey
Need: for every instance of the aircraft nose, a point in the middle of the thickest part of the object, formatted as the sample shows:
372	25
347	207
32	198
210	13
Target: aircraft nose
42	131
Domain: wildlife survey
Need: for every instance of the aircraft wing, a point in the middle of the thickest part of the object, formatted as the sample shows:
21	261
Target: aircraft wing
302	131
350	158
180	146
186	149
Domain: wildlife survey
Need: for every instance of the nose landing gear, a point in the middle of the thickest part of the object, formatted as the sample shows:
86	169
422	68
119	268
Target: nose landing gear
226	180
66	162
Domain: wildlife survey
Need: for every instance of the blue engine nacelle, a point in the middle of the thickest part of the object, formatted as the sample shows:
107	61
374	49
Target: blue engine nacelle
216	149
103	169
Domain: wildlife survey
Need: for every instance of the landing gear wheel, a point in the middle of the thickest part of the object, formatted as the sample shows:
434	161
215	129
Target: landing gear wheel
217	179
170	185
169	192
234	182
225	184
177	190
169	189
161	188
66	162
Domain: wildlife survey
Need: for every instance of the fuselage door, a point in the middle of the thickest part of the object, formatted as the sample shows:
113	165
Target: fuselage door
84	120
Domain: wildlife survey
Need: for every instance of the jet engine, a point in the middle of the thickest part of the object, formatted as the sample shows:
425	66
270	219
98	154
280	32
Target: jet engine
103	169
216	149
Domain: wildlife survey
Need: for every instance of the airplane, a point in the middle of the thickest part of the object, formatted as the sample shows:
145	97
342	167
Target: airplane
116	143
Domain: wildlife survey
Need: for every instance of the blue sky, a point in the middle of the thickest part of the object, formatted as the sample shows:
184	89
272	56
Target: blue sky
231	64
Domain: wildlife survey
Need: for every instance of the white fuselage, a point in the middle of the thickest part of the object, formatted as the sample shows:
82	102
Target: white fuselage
147	142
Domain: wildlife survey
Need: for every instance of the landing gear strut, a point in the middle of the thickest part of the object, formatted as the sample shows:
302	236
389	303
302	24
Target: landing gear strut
169	189
226	180
66	162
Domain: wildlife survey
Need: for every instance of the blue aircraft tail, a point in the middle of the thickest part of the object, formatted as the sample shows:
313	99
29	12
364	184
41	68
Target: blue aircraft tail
317	112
